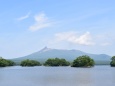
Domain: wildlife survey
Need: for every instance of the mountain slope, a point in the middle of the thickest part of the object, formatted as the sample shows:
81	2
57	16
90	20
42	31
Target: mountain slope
69	55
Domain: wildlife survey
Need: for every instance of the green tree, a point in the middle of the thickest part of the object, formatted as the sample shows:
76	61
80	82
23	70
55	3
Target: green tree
10	63
4	62
112	63
113	58
56	62
83	61
63	62
28	62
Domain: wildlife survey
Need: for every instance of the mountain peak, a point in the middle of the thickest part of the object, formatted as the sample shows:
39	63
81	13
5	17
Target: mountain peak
45	49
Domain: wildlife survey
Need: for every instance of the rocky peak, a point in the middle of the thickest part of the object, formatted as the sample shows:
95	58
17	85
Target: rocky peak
45	49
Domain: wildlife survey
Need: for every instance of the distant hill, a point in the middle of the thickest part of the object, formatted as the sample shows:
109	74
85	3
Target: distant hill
69	55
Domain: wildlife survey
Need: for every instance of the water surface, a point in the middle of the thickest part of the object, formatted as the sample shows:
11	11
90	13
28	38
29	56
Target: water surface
57	76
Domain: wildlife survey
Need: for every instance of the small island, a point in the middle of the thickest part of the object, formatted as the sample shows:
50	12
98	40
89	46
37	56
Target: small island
112	63
4	62
83	61
56	62
28	63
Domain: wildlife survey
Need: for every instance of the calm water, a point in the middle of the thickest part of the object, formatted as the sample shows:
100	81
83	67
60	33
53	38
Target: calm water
57	76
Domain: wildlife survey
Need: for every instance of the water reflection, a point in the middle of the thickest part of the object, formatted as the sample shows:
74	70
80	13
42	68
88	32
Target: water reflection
84	77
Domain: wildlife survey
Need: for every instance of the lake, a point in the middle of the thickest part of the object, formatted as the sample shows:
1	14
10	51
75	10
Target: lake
57	76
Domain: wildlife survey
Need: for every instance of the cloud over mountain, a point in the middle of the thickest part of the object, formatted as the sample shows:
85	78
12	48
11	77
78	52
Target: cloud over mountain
74	37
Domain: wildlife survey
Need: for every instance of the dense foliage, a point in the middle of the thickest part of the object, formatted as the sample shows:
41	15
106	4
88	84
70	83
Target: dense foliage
28	62
4	62
83	61
112	63
56	62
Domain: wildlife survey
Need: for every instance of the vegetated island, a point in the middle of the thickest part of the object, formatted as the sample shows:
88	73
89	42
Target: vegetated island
28	62
56	62
81	61
112	63
4	62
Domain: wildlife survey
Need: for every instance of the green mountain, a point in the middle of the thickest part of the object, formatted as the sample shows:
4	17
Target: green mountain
69	55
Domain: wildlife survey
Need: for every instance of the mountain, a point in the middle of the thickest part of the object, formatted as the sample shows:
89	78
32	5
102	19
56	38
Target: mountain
69	55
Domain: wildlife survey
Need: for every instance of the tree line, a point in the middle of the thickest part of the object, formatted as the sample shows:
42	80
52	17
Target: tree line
81	61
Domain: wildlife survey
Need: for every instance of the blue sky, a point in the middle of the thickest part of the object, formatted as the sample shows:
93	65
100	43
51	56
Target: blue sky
26	26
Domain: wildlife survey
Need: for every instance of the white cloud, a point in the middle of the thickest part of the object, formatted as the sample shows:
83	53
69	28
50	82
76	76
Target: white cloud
41	21
74	37
23	17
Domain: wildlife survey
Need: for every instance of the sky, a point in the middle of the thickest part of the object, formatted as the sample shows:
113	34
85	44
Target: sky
27	26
